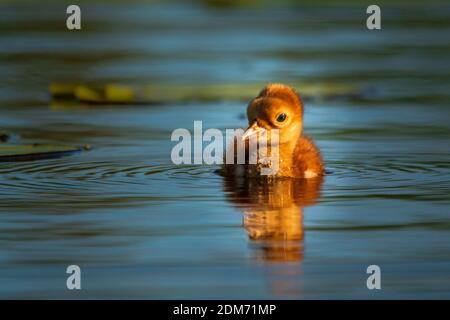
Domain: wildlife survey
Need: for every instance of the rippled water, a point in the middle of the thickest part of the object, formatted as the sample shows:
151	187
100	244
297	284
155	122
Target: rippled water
142	227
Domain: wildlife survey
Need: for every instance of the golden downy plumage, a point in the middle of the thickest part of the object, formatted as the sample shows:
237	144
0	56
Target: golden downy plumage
278	106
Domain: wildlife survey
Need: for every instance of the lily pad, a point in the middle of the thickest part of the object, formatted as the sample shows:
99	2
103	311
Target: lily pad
30	152
175	93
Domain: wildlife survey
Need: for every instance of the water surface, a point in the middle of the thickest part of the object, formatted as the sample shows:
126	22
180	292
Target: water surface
142	227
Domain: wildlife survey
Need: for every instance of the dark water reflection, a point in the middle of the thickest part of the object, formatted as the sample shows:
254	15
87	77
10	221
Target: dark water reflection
141	227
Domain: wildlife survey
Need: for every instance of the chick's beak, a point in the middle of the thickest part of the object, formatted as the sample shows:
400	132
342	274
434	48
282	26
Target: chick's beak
251	130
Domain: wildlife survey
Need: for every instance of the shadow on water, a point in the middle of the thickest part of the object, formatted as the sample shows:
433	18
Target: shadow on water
273	214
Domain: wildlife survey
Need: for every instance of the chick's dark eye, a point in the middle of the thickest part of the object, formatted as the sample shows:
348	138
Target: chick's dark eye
281	117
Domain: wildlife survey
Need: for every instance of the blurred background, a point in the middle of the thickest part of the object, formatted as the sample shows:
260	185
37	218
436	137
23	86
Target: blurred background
376	103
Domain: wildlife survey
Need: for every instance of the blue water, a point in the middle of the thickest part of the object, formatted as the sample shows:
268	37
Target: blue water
141	227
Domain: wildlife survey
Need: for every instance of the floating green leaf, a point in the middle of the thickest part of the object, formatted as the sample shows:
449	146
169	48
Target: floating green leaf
165	93
36	151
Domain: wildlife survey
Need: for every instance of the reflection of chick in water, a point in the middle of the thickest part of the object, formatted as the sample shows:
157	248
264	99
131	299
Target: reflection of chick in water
273	213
